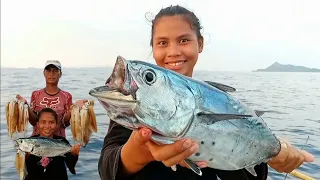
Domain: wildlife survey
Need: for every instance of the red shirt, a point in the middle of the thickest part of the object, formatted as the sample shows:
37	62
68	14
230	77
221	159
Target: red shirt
59	102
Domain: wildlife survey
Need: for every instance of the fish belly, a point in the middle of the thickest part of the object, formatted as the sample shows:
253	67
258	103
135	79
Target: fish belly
232	144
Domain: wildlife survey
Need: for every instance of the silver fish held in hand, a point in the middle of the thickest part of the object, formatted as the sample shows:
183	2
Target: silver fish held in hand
231	136
42	146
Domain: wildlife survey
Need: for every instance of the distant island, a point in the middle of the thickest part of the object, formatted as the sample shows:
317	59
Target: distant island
277	67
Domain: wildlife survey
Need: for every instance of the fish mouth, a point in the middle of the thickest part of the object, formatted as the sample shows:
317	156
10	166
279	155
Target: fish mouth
119	74
120	86
107	94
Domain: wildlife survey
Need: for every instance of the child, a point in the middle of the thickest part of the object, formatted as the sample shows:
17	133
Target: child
53	167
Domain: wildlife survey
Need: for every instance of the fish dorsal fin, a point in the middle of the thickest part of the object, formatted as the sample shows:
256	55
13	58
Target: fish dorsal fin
259	113
220	86
212	117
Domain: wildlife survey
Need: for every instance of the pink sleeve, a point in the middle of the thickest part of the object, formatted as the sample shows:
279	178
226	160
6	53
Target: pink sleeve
32	100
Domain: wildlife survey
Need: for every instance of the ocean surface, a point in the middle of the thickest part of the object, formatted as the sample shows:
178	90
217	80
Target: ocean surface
291	99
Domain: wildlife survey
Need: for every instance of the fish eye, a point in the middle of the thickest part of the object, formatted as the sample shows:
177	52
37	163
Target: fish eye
149	77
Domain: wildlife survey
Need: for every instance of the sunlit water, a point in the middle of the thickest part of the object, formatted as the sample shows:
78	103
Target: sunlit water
291	99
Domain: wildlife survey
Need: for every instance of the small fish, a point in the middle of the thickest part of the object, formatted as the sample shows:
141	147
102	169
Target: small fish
42	146
231	136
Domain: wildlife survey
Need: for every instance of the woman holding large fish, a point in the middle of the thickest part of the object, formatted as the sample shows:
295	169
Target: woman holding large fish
51	96
46	153
130	154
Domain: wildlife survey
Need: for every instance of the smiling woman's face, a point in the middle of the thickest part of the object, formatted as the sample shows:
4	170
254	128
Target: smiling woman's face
47	124
176	45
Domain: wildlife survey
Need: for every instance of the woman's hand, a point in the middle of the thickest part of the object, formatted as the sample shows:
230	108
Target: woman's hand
139	151
75	150
289	158
175	153
21	99
81	102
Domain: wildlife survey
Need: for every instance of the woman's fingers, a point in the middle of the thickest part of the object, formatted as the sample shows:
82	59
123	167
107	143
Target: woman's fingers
201	164
181	156
171	154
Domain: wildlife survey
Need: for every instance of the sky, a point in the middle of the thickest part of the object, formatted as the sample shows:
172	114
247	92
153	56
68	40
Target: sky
239	35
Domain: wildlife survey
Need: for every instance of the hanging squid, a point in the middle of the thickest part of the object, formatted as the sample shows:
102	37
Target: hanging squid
17	115
83	122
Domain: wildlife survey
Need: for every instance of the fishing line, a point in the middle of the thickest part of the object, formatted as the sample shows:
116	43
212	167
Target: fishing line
301	149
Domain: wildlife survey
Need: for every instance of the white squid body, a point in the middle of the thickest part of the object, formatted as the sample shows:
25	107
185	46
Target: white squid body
17	116
20	165
74	120
83	122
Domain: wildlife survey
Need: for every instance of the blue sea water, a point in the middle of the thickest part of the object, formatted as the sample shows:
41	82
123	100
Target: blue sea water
291	99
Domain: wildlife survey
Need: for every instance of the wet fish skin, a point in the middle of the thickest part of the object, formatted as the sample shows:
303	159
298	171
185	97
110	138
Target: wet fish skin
231	136
43	146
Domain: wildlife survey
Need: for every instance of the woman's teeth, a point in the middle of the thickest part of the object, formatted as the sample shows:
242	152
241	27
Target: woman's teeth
176	63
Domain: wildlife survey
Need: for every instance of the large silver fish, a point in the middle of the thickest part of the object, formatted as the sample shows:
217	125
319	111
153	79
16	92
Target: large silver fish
231	136
42	146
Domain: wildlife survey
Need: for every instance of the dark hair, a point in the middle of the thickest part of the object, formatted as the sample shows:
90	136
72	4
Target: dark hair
48	110
174	11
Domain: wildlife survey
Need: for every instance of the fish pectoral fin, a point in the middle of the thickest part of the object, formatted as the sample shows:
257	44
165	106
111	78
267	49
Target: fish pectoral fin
193	166
211	117
220	86
251	171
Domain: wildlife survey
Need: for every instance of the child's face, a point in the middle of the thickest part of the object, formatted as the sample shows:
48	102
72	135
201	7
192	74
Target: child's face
47	124
175	44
